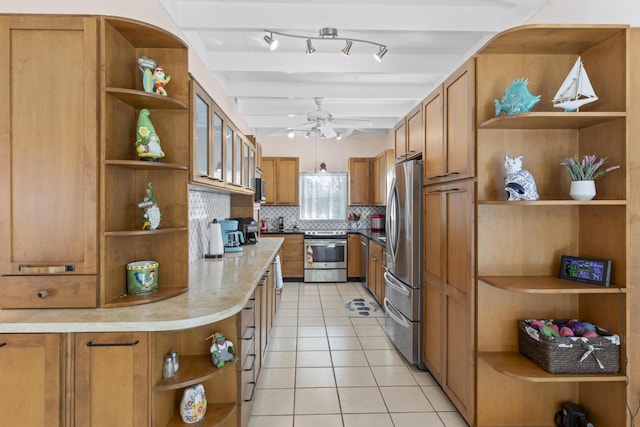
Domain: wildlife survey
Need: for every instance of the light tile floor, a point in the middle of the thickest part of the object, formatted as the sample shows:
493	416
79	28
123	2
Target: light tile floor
324	369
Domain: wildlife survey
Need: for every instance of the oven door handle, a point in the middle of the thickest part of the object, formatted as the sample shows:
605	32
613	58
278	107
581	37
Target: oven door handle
395	315
395	284
325	242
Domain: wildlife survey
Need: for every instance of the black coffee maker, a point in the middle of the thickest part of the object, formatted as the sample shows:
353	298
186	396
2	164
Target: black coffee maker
249	227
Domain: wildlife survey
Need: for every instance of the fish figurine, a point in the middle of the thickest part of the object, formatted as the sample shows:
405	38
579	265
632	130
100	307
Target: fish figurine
517	98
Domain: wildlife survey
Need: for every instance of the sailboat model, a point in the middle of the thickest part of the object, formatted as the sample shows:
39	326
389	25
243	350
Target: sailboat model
576	90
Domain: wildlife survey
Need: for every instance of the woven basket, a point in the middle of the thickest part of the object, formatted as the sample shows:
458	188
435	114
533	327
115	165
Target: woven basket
562	355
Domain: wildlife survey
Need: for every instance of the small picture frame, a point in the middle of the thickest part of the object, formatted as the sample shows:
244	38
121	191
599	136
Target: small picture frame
585	270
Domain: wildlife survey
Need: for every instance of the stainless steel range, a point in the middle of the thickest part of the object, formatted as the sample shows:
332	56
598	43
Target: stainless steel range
325	257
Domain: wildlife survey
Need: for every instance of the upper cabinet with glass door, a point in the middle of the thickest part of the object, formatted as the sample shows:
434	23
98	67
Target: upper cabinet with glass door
217	158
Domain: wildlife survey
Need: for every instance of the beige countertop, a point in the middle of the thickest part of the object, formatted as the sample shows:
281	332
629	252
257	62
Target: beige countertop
218	288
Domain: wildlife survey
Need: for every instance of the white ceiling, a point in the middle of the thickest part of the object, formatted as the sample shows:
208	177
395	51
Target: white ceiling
274	90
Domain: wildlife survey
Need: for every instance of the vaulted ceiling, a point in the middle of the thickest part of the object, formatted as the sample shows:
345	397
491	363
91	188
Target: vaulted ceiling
275	90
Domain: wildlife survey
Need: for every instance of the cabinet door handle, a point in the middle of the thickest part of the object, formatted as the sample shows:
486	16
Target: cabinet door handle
253	363
253	333
450	190
3	344
252	305
45	269
117	344
253	390
443	175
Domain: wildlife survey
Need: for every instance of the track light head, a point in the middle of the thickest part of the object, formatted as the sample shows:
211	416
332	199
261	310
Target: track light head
382	52
347	48
273	43
308	134
291	133
310	49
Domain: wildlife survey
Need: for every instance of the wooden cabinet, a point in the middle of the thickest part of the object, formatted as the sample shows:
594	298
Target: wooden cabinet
221	157
380	178
111	379
434	147
248	358
196	367
281	178
360	180
520	243
400	140
31	380
354	253
125	178
448	305
376	271
450	126
292	258
409	135
49	162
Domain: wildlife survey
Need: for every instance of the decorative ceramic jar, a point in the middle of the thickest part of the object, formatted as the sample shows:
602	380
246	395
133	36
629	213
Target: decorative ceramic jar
142	277
194	404
582	190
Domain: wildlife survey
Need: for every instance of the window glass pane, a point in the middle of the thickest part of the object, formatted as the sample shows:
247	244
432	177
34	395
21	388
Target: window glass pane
323	195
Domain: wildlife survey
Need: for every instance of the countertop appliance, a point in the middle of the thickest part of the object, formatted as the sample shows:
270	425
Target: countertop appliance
403	278
249	228
377	223
261	190
325	257
231	236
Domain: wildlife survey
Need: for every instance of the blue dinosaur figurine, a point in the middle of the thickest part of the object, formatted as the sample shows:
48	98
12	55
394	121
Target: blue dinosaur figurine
517	98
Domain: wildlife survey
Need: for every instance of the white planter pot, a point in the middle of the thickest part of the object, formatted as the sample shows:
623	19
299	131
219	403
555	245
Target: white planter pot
582	190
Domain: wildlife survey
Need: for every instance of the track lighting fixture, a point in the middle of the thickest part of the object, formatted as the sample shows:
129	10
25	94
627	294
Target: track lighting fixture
291	133
273	43
347	48
327	33
382	52
323	167
310	49
308	134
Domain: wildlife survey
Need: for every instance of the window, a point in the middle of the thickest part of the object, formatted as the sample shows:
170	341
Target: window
323	195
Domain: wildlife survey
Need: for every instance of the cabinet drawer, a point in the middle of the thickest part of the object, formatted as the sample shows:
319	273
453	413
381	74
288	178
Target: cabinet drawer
246	317
246	343
48	291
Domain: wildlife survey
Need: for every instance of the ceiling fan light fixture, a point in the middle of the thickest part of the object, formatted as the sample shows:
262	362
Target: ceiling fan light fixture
347	48
382	52
273	43
310	49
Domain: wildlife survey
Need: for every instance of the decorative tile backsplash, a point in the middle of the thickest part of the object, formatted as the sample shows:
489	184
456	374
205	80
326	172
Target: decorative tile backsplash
291	216
204	206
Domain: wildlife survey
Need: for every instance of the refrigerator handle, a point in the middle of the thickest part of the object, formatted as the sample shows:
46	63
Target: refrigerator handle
393	313
393	220
393	283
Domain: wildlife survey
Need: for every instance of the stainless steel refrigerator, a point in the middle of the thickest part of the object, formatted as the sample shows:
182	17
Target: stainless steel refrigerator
403	276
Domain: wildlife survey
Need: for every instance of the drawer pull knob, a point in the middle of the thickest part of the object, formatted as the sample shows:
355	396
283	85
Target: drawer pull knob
44	293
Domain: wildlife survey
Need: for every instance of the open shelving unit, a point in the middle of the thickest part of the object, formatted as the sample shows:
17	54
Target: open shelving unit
124	176
520	243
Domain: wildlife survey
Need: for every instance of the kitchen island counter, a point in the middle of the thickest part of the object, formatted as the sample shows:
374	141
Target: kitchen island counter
218	289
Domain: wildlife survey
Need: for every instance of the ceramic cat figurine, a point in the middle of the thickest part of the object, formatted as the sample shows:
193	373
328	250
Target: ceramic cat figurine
519	183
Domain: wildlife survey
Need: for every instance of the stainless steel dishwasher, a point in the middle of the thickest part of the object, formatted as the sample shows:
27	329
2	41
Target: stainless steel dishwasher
364	260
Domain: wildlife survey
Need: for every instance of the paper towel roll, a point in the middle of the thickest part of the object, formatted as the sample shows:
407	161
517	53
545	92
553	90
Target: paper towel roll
216	248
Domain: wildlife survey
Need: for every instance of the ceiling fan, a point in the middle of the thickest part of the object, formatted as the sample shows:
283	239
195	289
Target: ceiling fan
321	123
